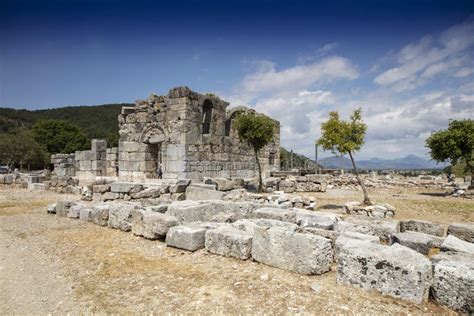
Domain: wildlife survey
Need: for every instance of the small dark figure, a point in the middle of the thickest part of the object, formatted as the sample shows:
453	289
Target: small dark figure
159	171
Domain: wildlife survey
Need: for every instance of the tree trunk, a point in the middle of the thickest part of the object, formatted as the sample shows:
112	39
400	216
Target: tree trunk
361	183
260	181
471	168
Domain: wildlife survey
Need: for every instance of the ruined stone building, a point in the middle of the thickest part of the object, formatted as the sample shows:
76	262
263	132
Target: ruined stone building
190	135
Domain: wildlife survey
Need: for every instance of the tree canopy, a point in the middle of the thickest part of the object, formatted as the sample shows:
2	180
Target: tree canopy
256	131
345	137
58	136
454	144
20	148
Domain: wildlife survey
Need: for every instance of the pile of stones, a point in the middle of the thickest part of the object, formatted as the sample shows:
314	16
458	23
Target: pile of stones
374	254
291	184
377	210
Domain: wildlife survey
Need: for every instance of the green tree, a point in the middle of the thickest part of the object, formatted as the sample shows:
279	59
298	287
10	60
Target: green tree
455	144
58	136
345	137
19	148
256	131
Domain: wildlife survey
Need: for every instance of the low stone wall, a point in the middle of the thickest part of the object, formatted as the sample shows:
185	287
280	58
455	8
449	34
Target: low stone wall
305	242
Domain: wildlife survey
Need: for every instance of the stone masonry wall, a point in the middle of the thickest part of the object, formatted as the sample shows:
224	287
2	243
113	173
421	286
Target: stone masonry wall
92	163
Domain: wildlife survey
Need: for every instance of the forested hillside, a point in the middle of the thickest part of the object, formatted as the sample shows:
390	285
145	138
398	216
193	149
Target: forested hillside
96	121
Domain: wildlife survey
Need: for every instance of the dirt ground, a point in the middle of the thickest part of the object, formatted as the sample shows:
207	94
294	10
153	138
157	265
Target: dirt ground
60	265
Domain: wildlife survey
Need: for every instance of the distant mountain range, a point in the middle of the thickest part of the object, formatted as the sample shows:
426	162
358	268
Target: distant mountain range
410	162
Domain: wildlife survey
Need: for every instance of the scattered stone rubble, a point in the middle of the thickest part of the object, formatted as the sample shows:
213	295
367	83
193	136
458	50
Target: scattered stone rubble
372	253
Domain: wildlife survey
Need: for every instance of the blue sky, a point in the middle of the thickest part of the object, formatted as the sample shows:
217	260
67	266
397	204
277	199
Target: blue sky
408	64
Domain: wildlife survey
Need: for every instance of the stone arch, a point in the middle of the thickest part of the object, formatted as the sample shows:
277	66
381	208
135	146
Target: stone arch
207	116
152	134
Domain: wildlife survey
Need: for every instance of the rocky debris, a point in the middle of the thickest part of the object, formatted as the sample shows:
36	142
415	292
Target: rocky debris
51	209
180	186
453	280
120	215
381	228
200	192
249	225
223	184
422	227
100	214
229	242
288	250
420	242
147	193
189	236
462	231
316	219
377	210
100	188
126	187
62	207
151	225
455	244
393	270
275	213
205	211
162	208
346	237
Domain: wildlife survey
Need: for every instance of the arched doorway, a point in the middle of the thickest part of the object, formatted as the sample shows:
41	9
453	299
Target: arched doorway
207	116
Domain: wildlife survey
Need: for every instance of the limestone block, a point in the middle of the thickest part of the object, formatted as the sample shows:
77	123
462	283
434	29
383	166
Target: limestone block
393	270
453	280
223	184
180	186
197	193
109	196
275	213
98	164
147	193
189	211
151	225
422	227
85	165
100	188
317	178
75	210
100	214
161	208
420	242
316	219
328	234
288	250
249	225
346	237
190	236
381	228
85	214
455	244
120	215
51	209
98	145
62	207
125	187
229	242
462	231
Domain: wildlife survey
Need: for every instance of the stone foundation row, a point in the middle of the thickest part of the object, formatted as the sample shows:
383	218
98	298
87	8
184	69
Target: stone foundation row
308	242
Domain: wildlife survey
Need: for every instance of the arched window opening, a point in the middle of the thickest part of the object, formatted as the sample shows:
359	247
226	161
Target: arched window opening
206	116
271	159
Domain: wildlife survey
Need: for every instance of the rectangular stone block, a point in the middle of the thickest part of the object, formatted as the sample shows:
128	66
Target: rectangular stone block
316	219
276	214
422	227
151	225
199	193
120	215
462	231
85	214
393	270
249	225
100	214
419	242
125	187
188	237
98	145
302	253
229	242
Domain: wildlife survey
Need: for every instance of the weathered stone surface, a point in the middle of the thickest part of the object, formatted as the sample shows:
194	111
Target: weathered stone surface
394	270
285	249
229	242
453	281
462	231
120	215
275	213
51	209
151	225
223	184
62	207
381	228
75	210
190	211
328	234
100	188
147	193
190	236
85	214
322	220
348	236
422	227
317	178
125	187
162	208
180	186
455	244
420	242
249	225
100	214
110	196
198	193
